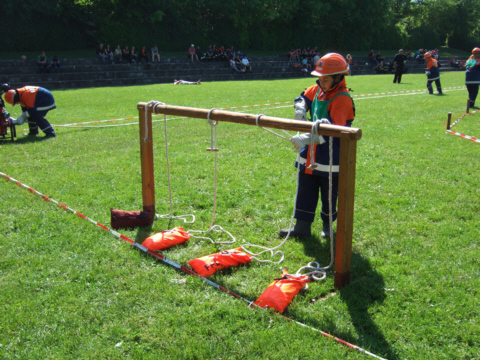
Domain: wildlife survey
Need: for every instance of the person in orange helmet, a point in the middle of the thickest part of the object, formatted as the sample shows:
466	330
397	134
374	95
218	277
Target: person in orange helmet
329	102
36	102
433	74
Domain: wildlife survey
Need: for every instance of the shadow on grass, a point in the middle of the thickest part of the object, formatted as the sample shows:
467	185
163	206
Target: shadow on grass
23	140
365	289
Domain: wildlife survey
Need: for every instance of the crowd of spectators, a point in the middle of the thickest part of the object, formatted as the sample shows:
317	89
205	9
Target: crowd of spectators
127	55
304	58
45	65
239	62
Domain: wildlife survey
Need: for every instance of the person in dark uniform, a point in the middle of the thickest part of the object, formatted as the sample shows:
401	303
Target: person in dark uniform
36	102
329	102
399	66
472	75
433	74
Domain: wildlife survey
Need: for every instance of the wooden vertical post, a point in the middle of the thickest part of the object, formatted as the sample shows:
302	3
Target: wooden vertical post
346	196
146	158
449	120
468	106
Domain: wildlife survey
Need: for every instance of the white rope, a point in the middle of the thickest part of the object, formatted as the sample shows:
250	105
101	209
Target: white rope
273	132
314	266
217	228
169	215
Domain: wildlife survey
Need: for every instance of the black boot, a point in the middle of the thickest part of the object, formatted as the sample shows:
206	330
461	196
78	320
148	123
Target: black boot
302	229
326	230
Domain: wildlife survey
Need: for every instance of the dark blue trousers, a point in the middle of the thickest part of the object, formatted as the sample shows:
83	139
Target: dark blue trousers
310	189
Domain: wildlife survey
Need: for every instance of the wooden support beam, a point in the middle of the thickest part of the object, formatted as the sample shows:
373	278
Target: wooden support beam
249	119
346	197
146	158
346	180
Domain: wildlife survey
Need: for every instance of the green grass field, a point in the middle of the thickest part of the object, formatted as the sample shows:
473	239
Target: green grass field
70	290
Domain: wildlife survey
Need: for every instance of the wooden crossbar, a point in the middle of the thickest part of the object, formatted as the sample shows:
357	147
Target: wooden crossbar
346	177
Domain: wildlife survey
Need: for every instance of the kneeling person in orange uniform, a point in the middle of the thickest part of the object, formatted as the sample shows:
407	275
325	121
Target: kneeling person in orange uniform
328	102
36	102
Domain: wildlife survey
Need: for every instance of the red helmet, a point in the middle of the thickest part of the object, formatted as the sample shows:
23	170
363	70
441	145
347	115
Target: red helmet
427	55
331	64
477	49
9	95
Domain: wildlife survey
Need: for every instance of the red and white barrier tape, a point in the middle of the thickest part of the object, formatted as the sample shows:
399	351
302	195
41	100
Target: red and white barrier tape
462	116
250	106
463	136
467	137
181	267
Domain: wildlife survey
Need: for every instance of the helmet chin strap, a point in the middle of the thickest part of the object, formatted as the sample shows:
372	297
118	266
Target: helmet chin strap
335	83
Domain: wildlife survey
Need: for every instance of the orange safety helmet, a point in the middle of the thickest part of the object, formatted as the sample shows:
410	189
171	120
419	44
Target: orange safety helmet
477	49
9	96
331	64
427	55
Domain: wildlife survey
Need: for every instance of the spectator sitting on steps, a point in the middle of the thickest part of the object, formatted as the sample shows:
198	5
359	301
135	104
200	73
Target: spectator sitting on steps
155	54
101	53
246	63
133	55
42	61
109	54
198	52
379	59
192	53
143	55
126	54
233	65
118	55
55	63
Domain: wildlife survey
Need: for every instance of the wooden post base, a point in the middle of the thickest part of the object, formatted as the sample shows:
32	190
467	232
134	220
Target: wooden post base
341	279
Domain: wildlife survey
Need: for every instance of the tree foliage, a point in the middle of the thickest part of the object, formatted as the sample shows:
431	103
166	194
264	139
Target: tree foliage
253	24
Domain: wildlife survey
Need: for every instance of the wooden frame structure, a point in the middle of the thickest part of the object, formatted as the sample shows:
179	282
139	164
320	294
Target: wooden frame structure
346	179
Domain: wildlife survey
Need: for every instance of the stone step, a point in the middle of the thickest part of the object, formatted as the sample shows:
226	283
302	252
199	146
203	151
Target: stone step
82	73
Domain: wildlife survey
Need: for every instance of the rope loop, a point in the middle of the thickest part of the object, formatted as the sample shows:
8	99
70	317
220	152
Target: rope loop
210	121
155	104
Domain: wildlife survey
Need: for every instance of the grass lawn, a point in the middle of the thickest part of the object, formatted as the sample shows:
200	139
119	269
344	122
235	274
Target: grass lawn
70	290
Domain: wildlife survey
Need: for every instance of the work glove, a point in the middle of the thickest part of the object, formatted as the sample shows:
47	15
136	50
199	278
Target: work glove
21	119
427	73
300	109
302	140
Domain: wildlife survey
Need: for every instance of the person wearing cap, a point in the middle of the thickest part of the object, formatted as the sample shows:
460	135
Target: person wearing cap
36	102
328	102
472	75
433	74
191	53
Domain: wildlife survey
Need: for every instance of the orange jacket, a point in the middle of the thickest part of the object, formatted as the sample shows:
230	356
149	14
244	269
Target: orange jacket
431	62
27	96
